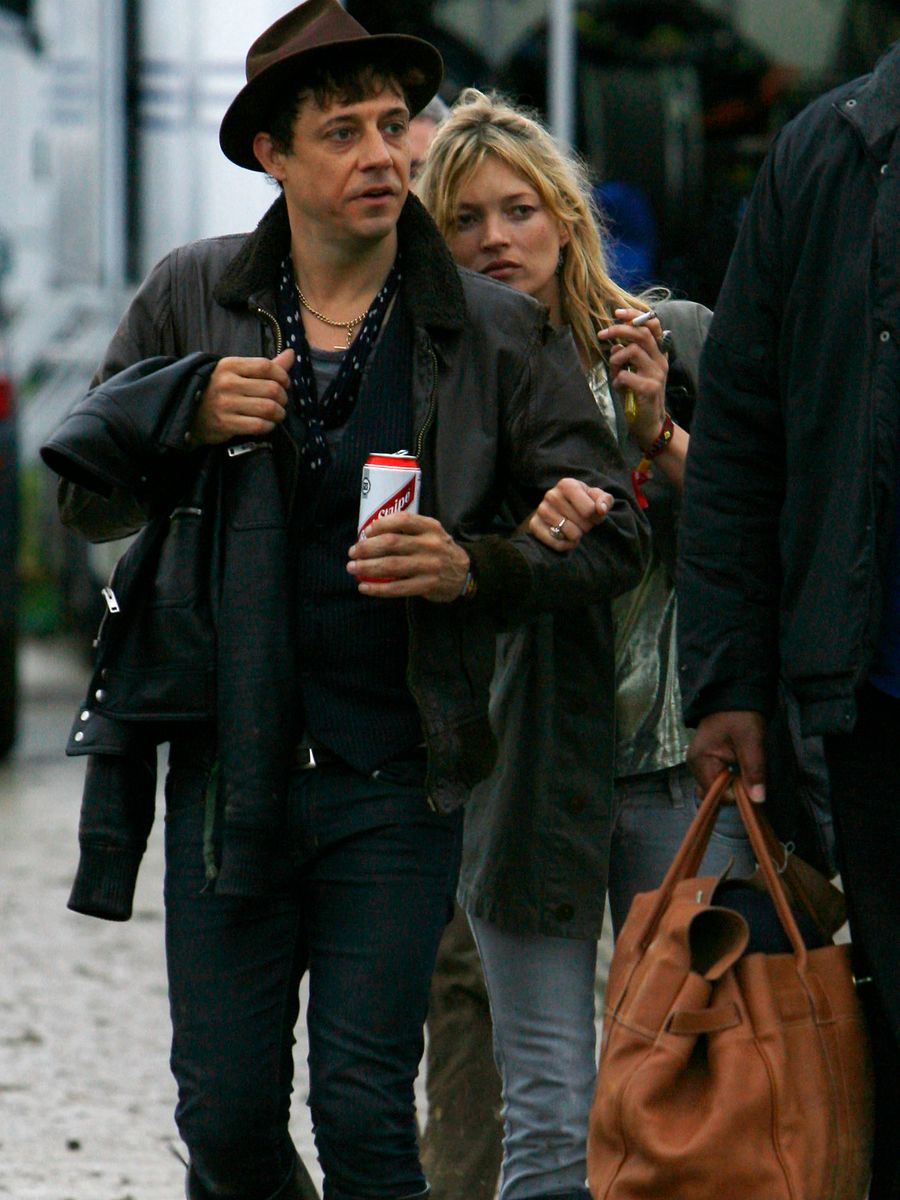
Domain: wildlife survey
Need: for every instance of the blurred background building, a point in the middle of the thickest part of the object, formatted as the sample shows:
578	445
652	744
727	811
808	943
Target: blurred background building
109	112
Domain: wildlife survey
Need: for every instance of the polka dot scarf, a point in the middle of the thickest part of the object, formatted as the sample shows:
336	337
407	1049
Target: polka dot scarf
334	408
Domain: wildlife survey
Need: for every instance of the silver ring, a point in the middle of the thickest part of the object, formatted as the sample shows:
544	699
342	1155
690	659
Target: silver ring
666	341
556	531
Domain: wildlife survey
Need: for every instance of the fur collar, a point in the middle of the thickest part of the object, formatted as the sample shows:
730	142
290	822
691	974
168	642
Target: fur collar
431	279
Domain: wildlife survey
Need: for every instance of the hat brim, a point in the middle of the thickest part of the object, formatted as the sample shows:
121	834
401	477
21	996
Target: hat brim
415	62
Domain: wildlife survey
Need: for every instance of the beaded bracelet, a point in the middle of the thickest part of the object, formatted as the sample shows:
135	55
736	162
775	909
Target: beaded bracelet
662	439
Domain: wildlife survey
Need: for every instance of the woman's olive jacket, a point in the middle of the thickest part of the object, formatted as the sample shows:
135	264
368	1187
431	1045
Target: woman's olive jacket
501	410
537	830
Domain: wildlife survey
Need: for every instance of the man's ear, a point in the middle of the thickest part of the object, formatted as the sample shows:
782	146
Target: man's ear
270	159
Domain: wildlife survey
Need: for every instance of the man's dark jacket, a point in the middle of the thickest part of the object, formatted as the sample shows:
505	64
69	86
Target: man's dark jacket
788	501
501	412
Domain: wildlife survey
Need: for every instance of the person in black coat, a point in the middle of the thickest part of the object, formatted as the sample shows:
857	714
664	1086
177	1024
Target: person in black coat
790	536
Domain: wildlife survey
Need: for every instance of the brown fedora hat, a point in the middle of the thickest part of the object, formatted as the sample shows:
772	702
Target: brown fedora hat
319	29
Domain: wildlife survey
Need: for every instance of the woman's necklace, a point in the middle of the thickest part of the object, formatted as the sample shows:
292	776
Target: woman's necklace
350	325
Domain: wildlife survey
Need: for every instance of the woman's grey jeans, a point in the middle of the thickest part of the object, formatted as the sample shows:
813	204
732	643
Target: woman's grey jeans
541	988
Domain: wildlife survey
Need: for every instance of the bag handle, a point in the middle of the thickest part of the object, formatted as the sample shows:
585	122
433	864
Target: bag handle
689	856
823	903
776	889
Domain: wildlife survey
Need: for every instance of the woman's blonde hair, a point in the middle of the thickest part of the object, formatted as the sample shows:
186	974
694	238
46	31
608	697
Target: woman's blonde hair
480	125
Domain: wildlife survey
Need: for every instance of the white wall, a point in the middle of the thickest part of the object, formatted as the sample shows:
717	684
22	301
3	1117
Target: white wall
192	66
25	190
55	123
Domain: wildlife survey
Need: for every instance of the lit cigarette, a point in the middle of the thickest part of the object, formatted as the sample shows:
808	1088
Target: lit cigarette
643	318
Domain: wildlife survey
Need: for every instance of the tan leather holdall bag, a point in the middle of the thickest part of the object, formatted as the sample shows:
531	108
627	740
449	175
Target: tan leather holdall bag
727	1075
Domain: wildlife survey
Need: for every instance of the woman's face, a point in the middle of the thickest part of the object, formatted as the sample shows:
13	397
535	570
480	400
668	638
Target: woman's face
502	229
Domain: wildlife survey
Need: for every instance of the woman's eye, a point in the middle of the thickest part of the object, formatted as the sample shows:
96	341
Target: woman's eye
522	210
465	221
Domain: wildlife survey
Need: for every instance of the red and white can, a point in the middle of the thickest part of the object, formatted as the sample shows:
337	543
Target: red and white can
390	484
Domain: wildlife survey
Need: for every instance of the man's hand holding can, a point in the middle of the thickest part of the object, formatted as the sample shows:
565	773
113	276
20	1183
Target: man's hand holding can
405	554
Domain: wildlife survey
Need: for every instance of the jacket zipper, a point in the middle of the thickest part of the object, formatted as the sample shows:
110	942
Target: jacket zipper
272	321
429	416
111	600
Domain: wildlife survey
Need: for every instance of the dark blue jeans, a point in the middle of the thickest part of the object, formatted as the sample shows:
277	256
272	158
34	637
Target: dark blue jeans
360	898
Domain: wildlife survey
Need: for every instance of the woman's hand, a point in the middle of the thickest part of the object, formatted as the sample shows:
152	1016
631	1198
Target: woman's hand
638	365
571	508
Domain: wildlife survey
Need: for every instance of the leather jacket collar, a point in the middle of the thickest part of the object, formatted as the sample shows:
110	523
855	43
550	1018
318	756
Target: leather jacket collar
433	288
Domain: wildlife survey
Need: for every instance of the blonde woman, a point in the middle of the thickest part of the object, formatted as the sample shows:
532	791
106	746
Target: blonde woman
583	702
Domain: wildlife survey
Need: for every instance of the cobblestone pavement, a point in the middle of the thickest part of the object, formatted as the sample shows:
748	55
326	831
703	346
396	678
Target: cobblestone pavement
86	1097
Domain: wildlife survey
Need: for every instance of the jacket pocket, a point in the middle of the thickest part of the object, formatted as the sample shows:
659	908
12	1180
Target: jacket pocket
253	494
179	574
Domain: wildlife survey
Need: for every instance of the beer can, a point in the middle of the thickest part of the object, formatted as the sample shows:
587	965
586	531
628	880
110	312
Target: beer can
390	484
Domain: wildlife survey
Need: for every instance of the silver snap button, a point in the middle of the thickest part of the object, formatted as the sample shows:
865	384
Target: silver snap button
79	736
851	104
884	168
885	335
85	715
100	694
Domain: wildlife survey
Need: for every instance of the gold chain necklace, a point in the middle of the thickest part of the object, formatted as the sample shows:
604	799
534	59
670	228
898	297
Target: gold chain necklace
348	325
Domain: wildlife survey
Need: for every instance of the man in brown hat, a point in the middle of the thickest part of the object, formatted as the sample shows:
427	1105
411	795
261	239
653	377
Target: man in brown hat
323	734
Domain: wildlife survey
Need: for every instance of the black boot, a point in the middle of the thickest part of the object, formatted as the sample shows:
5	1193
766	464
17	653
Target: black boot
297	1186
